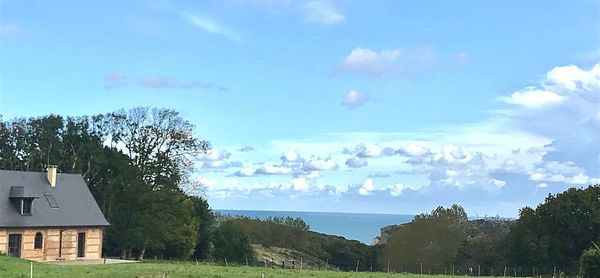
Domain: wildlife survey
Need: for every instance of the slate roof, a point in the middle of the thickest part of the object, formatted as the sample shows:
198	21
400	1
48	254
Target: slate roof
76	205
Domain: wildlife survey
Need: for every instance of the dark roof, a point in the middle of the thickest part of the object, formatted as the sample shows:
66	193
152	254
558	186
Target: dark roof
73	205
20	192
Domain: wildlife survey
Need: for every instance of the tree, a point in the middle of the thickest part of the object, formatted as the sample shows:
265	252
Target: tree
134	163
161	145
431	239
558	230
590	262
204	218
231	243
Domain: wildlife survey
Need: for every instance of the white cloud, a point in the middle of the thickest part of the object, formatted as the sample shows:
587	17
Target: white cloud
367	188
291	156
214	155
596	119
212	27
586	83
365	61
372	150
273	170
319	164
413	150
322	12
356	162
534	98
542	185
216	160
245	172
354	99
209	183
563	172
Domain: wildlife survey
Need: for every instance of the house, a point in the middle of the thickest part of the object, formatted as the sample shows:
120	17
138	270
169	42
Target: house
49	216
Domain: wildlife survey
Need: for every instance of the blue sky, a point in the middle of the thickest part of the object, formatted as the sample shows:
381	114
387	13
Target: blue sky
378	106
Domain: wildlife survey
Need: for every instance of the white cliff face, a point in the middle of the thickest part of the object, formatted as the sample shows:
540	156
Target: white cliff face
385	234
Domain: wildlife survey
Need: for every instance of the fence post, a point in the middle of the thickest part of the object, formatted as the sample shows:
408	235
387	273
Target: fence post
226	264
421	268
283	264
31	270
301	261
504	271
478	270
357	262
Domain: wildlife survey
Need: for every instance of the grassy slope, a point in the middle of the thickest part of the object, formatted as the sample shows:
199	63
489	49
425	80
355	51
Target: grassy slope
10	267
274	255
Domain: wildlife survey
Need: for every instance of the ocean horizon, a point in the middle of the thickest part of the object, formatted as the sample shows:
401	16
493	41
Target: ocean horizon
363	227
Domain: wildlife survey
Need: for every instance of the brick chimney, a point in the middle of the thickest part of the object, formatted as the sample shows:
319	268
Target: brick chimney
52	169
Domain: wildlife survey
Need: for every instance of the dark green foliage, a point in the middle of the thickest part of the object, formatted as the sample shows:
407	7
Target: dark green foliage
232	243
483	244
296	223
137	186
557	231
205	220
590	262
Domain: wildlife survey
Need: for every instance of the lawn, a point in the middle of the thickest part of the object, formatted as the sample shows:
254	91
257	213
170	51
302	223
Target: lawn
10	267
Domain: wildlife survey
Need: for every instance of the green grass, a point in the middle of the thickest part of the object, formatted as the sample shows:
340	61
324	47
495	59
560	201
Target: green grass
10	267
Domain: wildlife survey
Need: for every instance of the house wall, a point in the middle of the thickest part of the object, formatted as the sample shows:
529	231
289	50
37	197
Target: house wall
51	242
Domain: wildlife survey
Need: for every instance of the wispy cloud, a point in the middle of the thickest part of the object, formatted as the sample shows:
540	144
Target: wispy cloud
166	82
322	12
10	28
388	62
115	79
213	27
354	99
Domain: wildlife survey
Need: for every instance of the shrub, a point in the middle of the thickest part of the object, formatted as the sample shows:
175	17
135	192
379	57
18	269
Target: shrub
590	262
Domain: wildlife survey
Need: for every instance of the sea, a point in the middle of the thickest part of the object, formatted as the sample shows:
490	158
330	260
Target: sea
363	227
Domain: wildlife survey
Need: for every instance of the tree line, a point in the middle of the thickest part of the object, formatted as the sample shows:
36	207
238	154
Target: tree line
137	164
560	235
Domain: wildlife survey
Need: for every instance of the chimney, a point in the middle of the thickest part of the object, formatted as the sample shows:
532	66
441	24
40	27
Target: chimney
52	174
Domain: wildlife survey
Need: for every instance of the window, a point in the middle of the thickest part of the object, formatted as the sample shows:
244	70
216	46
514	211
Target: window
51	200
39	240
26	206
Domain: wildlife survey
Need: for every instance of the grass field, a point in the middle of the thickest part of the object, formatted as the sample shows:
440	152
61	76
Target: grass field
10	267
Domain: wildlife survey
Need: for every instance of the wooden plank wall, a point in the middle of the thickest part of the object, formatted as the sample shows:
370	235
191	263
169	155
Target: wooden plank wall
51	241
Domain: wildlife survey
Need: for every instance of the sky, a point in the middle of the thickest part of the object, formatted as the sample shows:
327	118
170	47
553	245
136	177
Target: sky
342	106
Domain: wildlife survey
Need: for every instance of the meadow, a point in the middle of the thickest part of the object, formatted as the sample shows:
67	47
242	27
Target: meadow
10	267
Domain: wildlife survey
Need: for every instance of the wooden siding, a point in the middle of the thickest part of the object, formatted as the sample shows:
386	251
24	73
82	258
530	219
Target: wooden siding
51	242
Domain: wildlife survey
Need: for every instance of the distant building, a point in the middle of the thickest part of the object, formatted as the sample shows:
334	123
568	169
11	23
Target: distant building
49	216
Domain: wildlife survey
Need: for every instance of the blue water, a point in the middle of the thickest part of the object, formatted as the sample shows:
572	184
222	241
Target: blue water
359	226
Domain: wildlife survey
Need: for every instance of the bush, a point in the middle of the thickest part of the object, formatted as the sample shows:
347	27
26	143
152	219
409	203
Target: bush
590	262
232	243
